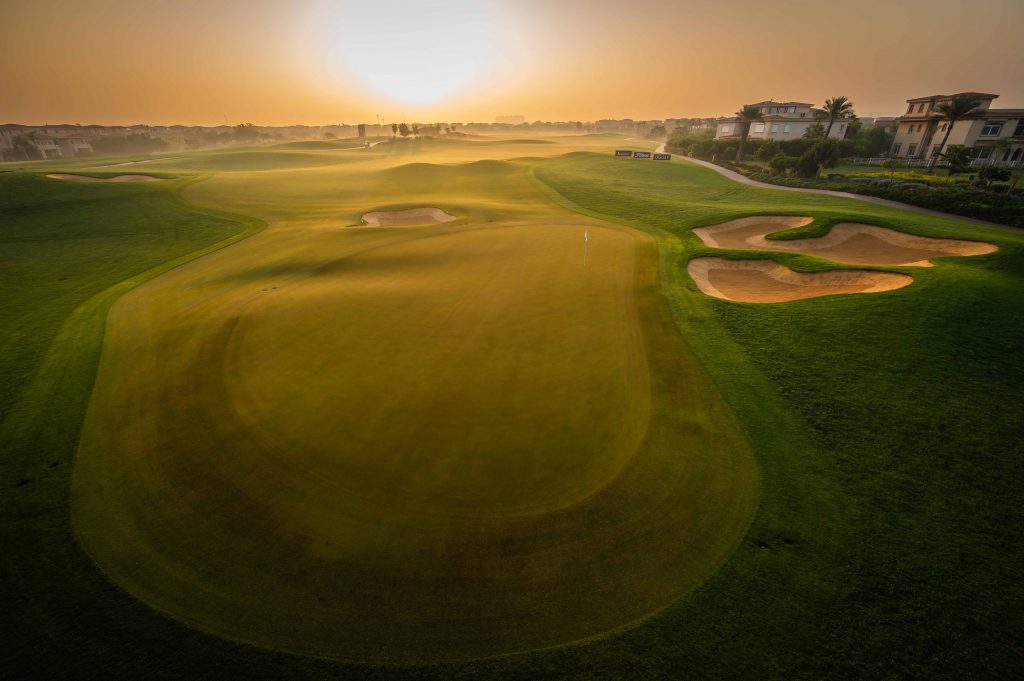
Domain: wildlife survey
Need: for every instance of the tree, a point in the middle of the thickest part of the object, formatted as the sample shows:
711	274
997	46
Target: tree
780	163
958	159
814	131
246	132
330	136
824	154
657	131
769	150
394	130
835	109
747	115
24	148
874	142
956	109
990	174
404	130
854	128
891	165
415	130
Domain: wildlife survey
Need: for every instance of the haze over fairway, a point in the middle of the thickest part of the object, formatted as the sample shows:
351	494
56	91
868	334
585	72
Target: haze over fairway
453	440
411	437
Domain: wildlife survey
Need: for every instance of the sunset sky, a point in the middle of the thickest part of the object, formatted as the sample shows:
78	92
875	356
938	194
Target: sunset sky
278	62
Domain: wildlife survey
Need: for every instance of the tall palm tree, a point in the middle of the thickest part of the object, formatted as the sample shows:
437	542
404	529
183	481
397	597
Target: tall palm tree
952	111
747	115
836	108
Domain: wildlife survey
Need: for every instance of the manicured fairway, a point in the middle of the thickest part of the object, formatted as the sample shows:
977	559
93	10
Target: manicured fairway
285	441
415	443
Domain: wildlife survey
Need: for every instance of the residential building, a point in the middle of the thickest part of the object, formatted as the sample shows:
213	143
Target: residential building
74	144
994	135
782	121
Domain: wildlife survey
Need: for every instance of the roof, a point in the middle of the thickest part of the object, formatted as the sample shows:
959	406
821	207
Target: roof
980	95
774	103
976	114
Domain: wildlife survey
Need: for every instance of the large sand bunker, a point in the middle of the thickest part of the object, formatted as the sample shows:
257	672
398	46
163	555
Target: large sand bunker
848	242
401	218
118	178
766	281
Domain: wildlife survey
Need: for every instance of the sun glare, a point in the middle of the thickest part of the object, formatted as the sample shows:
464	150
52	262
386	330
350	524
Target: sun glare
416	54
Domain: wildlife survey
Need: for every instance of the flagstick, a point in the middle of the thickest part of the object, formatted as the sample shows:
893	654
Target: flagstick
586	242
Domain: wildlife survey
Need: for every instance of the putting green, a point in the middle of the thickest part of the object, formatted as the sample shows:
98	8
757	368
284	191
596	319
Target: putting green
454	441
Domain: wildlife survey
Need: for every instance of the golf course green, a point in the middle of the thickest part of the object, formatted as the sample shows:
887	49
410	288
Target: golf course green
248	433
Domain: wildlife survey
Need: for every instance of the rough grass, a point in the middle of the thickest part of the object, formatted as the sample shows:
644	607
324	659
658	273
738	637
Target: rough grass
900	564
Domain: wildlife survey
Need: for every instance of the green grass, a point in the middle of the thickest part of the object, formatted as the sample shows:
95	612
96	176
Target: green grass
887	538
900	556
401	425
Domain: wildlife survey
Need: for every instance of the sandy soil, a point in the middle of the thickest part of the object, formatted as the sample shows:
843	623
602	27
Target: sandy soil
766	281
401	218
847	242
119	178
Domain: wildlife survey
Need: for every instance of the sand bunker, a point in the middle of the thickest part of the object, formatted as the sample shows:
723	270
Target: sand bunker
765	281
119	178
847	242
401	218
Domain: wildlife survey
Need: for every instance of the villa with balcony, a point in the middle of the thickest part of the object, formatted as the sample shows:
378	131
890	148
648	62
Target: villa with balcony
996	136
782	121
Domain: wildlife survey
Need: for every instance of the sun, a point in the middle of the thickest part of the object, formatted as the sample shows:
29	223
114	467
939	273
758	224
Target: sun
413	53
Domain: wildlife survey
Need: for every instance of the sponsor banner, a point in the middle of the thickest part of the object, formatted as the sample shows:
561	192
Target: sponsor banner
623	152
641	154
663	157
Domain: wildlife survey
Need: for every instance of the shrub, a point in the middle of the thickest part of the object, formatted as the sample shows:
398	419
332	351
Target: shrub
823	154
768	150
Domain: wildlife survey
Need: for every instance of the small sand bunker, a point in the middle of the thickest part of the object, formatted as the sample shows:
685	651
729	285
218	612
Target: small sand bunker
765	281
402	218
848	242
118	178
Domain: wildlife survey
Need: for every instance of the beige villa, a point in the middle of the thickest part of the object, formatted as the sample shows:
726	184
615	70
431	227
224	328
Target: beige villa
995	135
782	121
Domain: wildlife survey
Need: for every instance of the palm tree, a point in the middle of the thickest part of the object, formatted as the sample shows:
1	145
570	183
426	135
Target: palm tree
747	115
834	109
952	111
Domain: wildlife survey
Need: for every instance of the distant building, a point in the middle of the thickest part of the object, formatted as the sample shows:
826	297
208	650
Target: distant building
996	135
47	146
510	120
782	121
74	144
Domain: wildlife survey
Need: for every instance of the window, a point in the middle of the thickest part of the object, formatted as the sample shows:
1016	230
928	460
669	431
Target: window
758	127
786	128
896	149
982	152
911	150
724	129
791	109
775	127
1019	132
803	115
992	129
920	108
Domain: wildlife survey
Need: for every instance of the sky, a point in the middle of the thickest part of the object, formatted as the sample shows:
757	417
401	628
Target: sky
320	62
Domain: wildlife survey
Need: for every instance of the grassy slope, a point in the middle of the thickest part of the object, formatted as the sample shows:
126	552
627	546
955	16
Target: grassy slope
902	558
395	376
890	558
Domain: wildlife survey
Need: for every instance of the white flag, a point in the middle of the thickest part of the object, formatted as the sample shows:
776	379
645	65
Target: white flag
586	236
